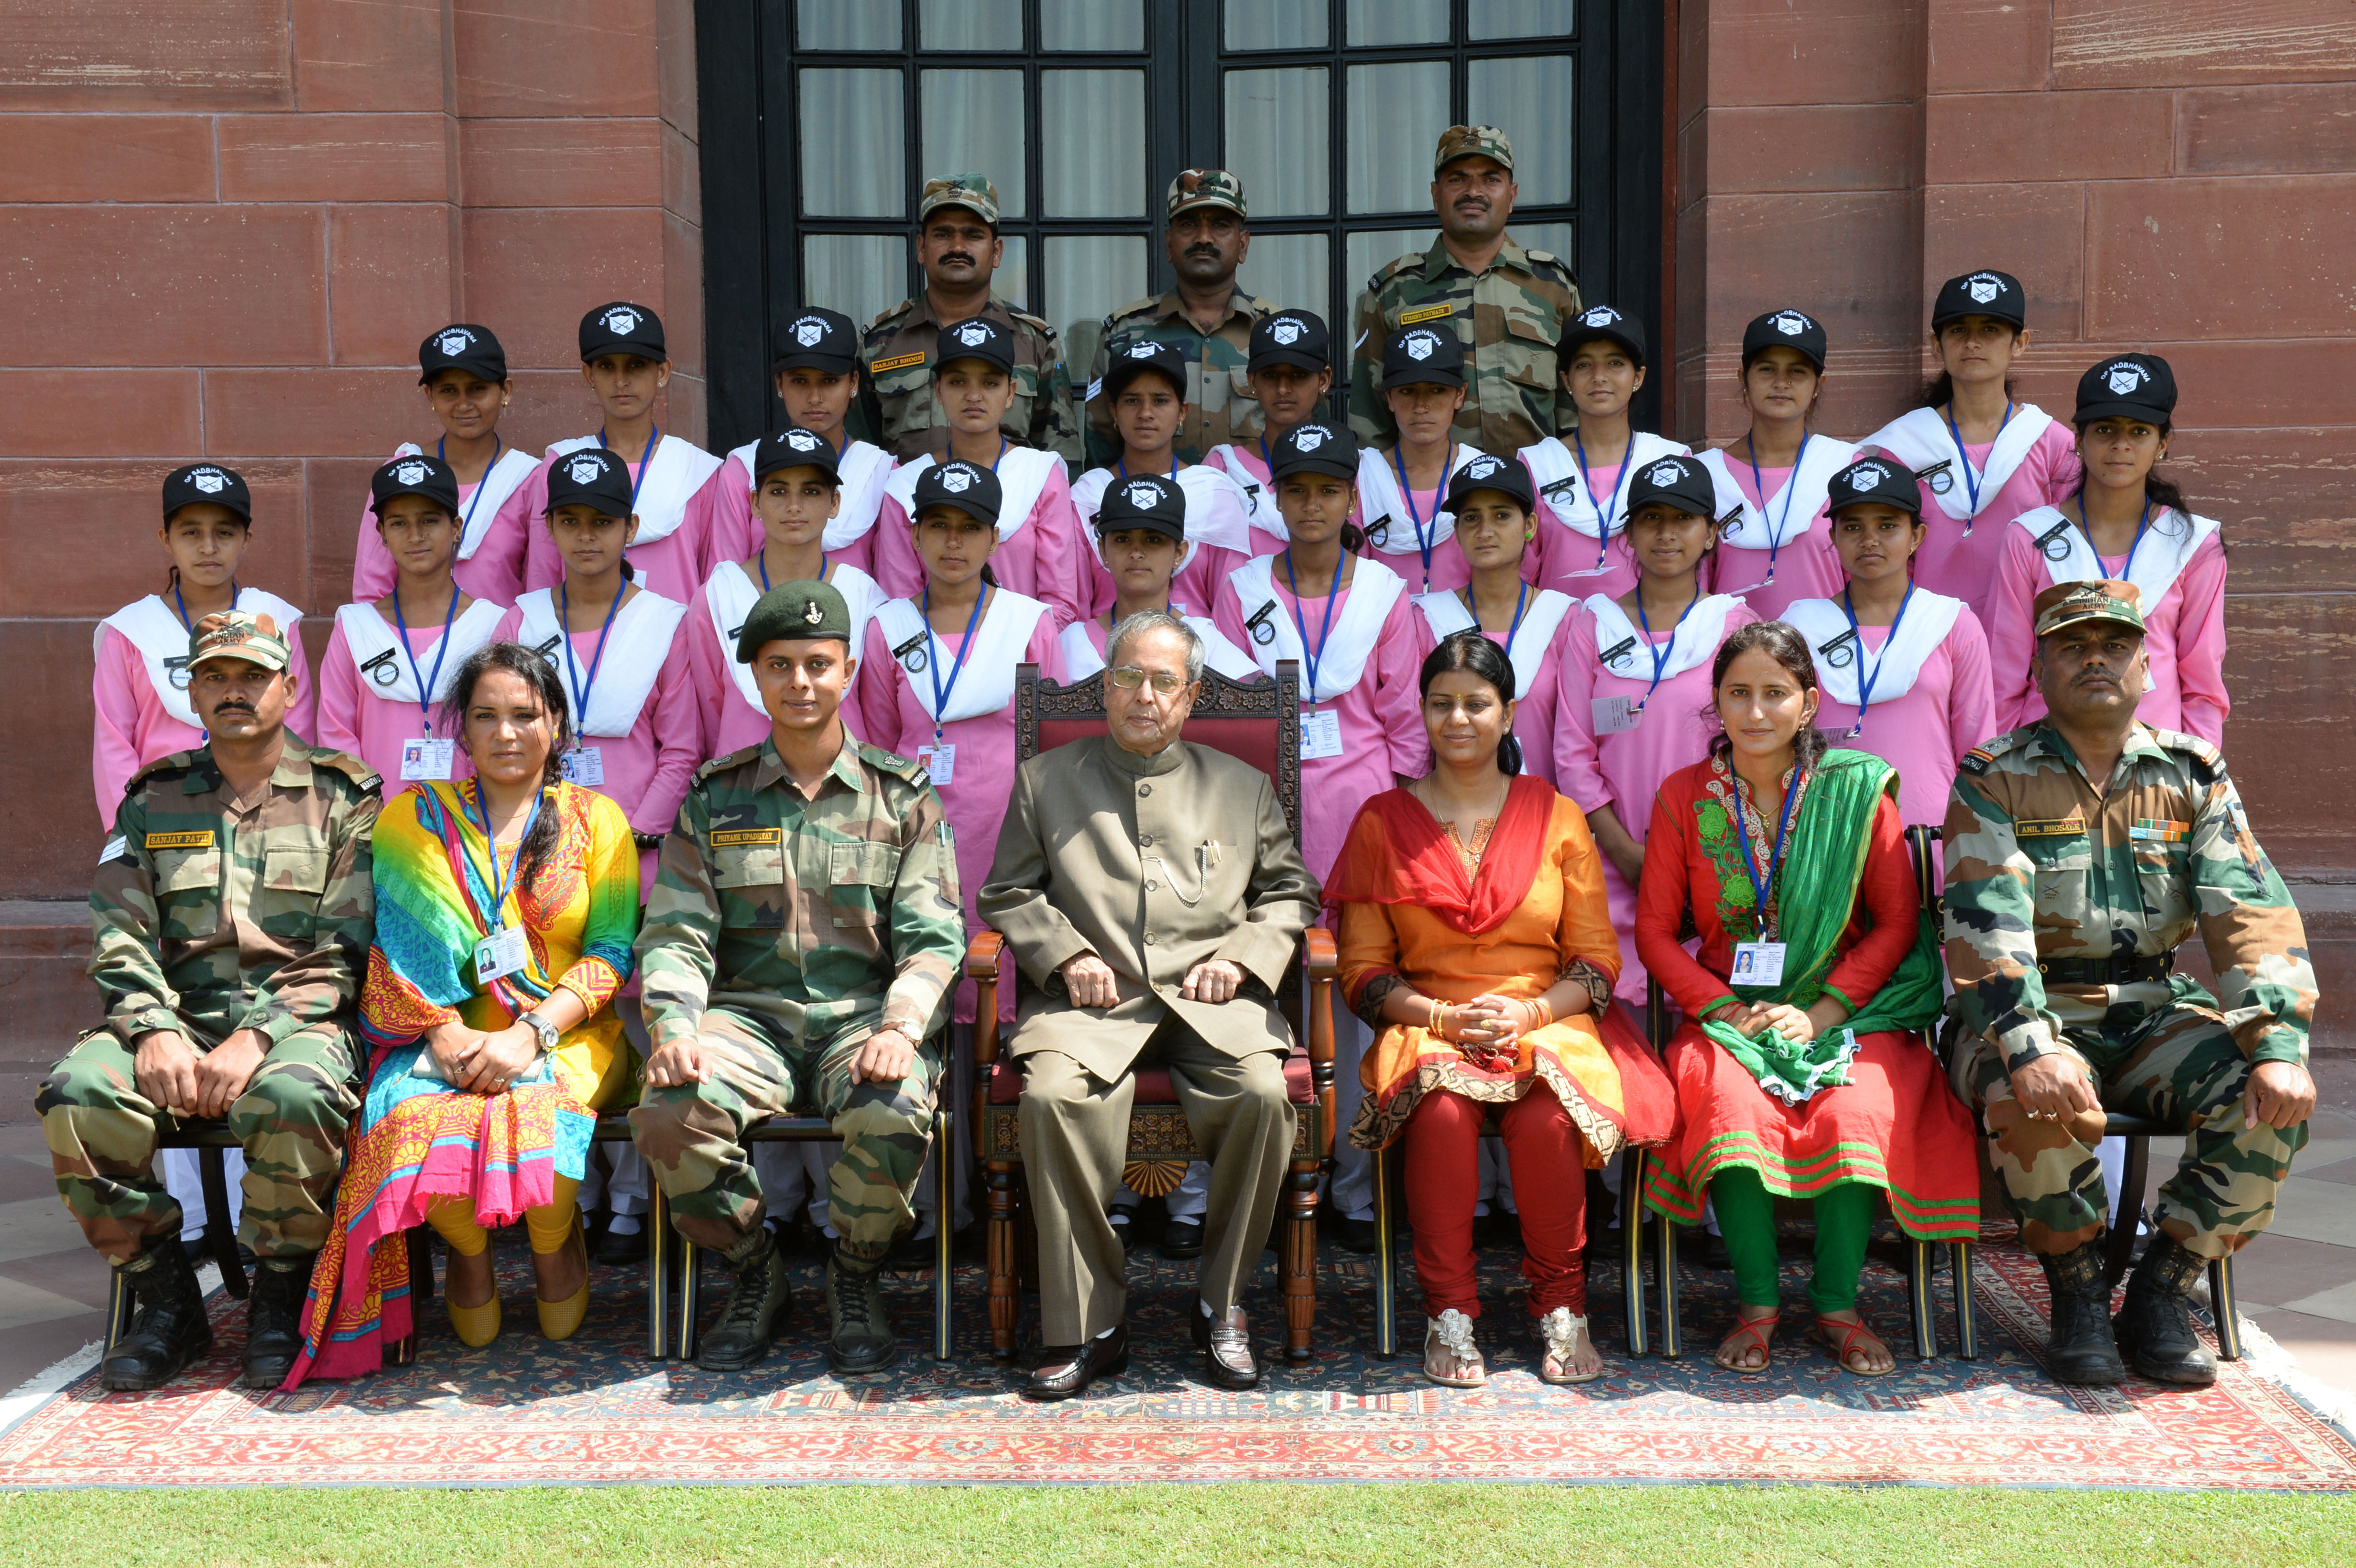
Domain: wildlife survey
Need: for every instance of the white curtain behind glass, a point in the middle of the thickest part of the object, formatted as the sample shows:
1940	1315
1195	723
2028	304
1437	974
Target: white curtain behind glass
1366	251
862	275
1520	19
1275	140
1396	115
1289	271
848	170
972	120
849	23
1092	137
1089	276
1276	25
1398	21
962	24
1092	24
1556	238
1529	99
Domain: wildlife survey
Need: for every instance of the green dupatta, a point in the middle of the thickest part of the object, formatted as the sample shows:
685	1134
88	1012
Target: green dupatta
1815	890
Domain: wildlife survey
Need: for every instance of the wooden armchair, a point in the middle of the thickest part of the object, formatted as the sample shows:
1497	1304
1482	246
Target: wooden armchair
1261	724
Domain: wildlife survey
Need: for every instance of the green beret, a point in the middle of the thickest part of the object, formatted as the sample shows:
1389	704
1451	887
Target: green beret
793	612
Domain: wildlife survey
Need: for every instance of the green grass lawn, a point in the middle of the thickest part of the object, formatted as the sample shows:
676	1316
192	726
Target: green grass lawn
1172	1527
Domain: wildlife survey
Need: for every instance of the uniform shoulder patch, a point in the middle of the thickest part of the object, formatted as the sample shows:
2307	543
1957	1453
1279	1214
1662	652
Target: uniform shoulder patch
1392	268
1134	308
352	767
1260	309
893	314
1034	323
735	759
173	766
1978	759
2208	762
890	763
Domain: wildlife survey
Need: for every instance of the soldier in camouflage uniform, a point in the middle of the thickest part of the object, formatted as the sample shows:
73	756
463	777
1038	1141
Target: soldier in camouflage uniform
1508	304
1206	318
798	951
231	919
2080	851
958	246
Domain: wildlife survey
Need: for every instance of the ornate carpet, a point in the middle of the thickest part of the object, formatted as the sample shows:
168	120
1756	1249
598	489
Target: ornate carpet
595	1410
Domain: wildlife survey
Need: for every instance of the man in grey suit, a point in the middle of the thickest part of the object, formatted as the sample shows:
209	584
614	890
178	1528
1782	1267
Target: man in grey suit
1151	891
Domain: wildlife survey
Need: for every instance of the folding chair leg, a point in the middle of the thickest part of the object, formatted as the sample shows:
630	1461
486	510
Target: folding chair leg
2119	1247
661	1242
220	1236
943	1239
1631	1251
690	1296
119	1304
2226	1309
1005	1302
1920	1286
1386	1302
1665	1262
1967	1336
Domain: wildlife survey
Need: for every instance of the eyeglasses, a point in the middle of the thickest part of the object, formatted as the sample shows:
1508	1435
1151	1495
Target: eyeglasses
1128	678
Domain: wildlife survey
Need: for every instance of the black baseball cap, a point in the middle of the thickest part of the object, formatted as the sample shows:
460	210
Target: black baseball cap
1423	356
207	482
591	477
621	327
462	346
1784	329
1989	293
1601	321
1882	479
1679	481
2129	386
1291	338
1489	472
1146	501
795	448
968	487
418	475
1315	449
820	339
1136	358
977	338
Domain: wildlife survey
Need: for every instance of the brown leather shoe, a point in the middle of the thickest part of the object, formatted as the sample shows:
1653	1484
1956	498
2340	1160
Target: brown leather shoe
1065	1370
1225	1339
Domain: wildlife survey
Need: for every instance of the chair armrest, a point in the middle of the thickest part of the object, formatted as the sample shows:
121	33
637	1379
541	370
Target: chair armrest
1318	954
1318	965
985	964
985	955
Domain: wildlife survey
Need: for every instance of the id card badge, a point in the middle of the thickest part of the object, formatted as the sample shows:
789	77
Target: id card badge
1321	734
427	759
1757	964
1614	715
585	766
501	954
940	761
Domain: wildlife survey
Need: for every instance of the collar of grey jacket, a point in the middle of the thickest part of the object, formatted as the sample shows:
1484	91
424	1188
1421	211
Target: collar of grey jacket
1163	761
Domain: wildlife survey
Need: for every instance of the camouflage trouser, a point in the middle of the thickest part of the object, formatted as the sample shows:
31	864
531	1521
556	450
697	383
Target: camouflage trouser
292	1120
692	1135
2177	1065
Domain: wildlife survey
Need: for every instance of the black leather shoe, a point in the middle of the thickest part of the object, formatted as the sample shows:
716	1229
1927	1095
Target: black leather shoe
1355	1236
273	1319
171	1329
621	1248
1067	1369
1182	1239
1122	1218
749	1318
859	1339
2154	1326
1225	1343
2083	1350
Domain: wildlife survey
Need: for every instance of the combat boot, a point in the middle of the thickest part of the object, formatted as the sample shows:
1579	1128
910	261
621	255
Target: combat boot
741	1339
171	1329
2154	1322
273	1319
862	1338
2081	1350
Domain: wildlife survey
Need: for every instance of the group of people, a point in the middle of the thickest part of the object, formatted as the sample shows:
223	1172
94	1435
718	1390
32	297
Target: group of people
636	777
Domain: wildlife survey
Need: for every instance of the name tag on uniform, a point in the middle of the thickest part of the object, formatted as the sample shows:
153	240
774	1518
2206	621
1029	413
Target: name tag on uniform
428	759
2159	830
1758	964
1426	312
2059	828
897	362
197	838
939	761
585	766
1321	734
1612	715
738	838
502	952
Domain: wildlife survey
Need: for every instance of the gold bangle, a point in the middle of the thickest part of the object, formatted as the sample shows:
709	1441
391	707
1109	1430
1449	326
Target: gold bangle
1537	1005
1439	1019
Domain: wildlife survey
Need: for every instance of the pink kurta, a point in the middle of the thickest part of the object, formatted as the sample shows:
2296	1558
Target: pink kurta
1381	717
1202	566
1924	731
1038	560
356	719
646	771
673	566
722	514
1534	709
731	723
1626	771
1962	564
1565	560
1399	551
983	780
1806	566
495	571
2184	635
130	727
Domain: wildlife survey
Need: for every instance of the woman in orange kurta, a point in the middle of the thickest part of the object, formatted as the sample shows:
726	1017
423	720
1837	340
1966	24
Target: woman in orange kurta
1474	938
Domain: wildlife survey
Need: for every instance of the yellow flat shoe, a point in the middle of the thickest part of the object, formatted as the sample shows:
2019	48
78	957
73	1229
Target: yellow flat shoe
477	1325
561	1319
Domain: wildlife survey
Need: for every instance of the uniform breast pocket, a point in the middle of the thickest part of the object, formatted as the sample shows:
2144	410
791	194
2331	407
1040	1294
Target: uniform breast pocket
187	894
2164	875
1026	397
1530	340
2063	865
751	878
907	390
860	878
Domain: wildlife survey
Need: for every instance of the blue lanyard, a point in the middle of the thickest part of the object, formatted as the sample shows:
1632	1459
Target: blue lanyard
762	559
1605	514
425	688
1407	494
501	884
1972	480
235	594
1312	656
1661	655
499	444
1758	885
1521	598
572	665
654	434
2127	569
1122	464
1868	676
965	650
1790	494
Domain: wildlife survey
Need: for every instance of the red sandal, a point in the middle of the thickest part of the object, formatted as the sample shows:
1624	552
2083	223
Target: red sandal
1761	1330
1849	1331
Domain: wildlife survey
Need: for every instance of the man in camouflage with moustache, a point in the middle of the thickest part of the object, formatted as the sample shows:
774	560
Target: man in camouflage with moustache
230	920
2080	850
796	952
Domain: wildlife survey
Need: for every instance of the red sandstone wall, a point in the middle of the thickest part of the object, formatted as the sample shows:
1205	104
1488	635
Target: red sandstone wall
228	224
2173	176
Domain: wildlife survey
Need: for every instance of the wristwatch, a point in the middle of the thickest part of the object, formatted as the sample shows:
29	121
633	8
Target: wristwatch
548	1032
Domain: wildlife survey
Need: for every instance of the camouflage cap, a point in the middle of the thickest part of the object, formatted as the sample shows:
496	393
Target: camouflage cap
2067	604
1473	141
1207	187
239	634
793	612
967	190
